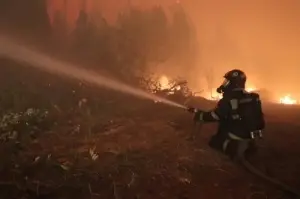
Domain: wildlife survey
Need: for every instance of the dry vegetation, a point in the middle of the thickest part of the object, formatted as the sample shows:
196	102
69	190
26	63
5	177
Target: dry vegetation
65	139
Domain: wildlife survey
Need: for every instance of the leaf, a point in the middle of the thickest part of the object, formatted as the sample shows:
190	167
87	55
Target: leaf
93	155
36	159
64	167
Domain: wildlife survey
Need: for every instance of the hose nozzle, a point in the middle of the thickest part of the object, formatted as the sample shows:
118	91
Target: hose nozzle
191	109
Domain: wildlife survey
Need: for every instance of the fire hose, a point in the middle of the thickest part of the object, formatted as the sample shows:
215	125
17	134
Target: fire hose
243	160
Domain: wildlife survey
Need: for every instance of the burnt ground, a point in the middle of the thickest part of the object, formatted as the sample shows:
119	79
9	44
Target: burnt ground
147	153
130	148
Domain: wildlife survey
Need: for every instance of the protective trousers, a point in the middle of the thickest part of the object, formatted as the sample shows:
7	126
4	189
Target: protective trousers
231	145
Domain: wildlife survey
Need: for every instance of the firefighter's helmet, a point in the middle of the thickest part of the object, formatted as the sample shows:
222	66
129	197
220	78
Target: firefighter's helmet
233	79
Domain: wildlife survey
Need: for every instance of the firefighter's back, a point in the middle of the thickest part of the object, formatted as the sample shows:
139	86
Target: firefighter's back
246	116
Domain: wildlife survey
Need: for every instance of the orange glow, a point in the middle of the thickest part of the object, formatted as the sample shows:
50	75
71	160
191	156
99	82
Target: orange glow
287	100
230	33
213	95
164	82
250	89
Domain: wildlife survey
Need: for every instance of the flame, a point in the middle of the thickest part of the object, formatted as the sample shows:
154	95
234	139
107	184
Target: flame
214	95
250	89
164	82
287	100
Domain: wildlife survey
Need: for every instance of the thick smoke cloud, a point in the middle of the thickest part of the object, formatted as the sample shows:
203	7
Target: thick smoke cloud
258	36
261	37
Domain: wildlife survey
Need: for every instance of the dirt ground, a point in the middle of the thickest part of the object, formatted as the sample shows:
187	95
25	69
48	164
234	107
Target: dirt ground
147	152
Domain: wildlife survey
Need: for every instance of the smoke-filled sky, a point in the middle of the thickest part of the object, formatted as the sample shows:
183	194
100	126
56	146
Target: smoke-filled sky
108	8
259	36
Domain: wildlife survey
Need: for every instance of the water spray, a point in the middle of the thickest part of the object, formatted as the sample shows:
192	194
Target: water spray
38	60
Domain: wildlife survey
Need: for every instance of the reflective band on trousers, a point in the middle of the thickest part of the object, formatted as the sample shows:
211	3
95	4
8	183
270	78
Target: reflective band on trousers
201	116
235	137
225	144
232	137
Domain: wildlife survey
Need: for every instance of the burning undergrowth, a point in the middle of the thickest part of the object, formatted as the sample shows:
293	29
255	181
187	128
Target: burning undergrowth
176	89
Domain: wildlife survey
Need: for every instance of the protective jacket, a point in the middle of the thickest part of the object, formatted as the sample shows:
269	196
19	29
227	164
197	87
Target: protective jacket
240	117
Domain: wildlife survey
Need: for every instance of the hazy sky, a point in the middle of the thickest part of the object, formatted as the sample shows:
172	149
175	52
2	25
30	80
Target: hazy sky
259	36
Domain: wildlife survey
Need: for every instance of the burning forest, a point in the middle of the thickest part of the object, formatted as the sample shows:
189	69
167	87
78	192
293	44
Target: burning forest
94	103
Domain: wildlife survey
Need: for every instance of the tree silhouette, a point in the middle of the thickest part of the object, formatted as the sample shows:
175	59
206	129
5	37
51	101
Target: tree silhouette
92	41
131	40
82	35
143	38
157	37
183	41
59	27
181	33
81	29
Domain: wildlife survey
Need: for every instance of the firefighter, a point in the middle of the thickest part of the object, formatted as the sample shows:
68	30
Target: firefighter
239	114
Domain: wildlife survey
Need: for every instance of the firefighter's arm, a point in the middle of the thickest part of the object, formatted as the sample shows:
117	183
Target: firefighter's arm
221	111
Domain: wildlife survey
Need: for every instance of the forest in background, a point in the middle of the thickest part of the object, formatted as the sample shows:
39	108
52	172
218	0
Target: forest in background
140	43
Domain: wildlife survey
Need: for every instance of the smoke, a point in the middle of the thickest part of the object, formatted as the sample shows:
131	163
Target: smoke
260	37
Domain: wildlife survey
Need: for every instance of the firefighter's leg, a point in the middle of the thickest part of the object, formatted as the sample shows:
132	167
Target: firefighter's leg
216	141
230	147
242	147
252	149
235	147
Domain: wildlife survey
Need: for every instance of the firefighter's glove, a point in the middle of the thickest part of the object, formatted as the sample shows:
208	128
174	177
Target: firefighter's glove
191	109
